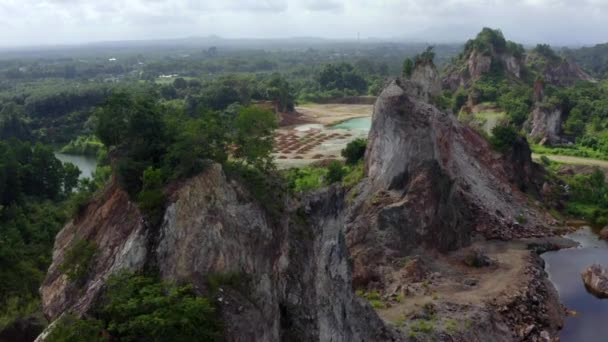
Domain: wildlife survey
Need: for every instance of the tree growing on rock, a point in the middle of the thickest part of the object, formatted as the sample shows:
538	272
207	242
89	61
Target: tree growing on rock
354	151
408	67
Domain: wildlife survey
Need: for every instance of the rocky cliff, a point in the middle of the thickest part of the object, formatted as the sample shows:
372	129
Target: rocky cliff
426	76
295	270
475	64
435	186
556	70
546	124
410	237
437	182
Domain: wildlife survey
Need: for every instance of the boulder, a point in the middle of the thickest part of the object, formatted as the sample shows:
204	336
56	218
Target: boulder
595	278
604	233
477	258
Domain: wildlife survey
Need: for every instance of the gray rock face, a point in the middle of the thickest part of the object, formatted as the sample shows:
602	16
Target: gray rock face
563	72
294	270
478	64
427	77
546	124
512	64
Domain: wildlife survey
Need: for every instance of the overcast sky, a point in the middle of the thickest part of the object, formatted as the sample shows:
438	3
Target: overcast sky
33	22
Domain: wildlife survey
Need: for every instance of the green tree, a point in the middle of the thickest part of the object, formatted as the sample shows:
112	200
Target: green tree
335	172
70	178
575	125
113	118
354	151
426	57
255	136
141	308
459	99
71	329
408	68
504	137
279	91
341	77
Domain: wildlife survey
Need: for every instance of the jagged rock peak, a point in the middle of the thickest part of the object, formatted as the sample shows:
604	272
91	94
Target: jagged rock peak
555	69
486	53
408	135
426	75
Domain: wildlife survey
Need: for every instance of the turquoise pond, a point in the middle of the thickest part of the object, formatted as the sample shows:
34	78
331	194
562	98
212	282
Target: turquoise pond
362	124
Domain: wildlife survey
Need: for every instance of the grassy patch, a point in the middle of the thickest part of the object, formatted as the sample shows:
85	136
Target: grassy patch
574	151
521	219
354	175
422	326
488	120
377	304
305	179
83	145
452	326
373	297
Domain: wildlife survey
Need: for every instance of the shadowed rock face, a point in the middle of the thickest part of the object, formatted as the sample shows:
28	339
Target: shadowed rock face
114	224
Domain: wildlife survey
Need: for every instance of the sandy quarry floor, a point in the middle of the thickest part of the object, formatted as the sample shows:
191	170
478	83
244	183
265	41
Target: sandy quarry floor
296	148
304	144
330	114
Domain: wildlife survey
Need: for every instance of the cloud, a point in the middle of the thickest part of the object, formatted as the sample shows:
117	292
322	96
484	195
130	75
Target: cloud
323	5
528	21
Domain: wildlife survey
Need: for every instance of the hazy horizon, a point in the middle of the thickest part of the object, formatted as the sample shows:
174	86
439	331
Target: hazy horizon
32	23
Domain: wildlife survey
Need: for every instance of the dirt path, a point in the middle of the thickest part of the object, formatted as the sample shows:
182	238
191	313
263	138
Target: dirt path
573	160
490	283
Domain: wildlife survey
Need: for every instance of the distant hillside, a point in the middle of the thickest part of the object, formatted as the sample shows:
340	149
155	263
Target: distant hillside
593	59
546	95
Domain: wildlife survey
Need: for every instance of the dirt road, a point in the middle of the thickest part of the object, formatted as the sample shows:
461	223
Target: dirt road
573	160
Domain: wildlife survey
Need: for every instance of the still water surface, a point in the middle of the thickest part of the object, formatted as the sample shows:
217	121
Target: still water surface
564	268
362	124
86	164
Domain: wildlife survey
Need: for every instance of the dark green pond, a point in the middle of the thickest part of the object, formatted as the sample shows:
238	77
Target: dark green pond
564	268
